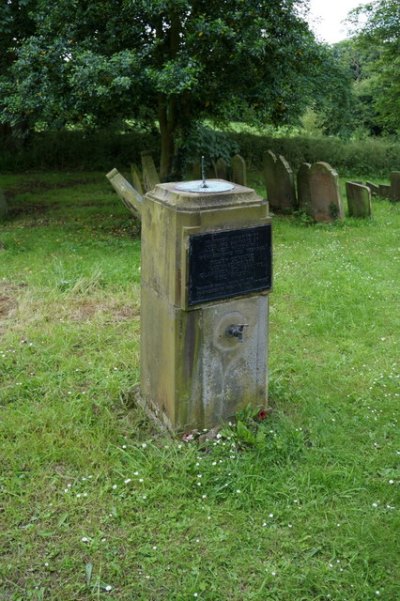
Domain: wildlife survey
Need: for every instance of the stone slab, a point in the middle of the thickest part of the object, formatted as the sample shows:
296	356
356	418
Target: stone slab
239	172
137	179
221	168
395	186
284	181
269	162
358	200
303	188
326	204
149	171
385	191
374	188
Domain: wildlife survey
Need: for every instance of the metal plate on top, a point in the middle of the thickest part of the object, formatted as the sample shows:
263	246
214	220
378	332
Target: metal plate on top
207	187
229	263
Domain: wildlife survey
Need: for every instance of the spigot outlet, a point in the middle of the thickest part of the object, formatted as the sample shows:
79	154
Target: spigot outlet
236	330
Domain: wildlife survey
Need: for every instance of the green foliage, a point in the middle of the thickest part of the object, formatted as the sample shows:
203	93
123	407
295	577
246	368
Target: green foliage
204	141
93	498
380	29
175	62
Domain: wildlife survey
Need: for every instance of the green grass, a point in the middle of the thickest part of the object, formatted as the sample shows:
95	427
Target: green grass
92	496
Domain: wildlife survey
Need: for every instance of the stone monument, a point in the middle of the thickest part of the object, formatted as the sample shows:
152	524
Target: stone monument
303	188
395	186
326	204
149	171
358	200
239	170
206	274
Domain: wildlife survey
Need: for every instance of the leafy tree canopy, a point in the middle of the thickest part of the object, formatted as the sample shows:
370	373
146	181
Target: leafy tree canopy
174	61
377	29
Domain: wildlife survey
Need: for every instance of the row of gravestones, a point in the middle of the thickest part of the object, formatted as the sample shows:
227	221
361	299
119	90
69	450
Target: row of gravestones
391	191
318	193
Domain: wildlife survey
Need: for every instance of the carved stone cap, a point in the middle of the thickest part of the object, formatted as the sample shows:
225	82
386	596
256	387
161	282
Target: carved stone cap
187	201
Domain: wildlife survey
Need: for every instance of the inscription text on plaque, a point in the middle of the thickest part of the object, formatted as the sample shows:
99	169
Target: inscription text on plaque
229	263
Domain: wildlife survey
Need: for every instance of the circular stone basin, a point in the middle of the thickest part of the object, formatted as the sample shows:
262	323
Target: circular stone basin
205	187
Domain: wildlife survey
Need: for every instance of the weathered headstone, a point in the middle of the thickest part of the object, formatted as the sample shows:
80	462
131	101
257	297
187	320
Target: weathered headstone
358	200
385	191
3	204
374	188
303	188
326	204
286	191
395	186
269	163
127	193
150	175
221	168
239	175
136	179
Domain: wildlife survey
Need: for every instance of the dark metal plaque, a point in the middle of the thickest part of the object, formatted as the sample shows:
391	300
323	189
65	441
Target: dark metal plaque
229	263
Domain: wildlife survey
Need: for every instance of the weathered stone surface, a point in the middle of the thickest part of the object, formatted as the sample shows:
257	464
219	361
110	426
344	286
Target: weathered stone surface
193	372
385	191
221	168
150	175
270	180
279	182
136	179
326	204
358	200
127	193
374	188
286	191
239	174
3	205
303	188
395	186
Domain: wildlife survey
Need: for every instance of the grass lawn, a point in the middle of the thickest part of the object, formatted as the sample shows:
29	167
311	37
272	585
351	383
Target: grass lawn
96	504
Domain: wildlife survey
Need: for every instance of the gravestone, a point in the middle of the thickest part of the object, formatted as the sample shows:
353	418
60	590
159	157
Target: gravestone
286	191
326	204
3	205
136	179
269	173
385	191
395	186
239	175
303	188
374	188
150	175
221	169
358	200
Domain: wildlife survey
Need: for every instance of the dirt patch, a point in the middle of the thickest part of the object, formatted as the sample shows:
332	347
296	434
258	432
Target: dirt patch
87	310
8	302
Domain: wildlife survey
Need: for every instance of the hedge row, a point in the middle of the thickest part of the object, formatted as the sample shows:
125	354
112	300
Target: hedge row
103	150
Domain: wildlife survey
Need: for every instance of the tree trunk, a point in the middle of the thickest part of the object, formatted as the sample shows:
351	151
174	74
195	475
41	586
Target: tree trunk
166	121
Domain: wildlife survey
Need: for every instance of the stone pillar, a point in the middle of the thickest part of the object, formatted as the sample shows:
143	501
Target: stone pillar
206	273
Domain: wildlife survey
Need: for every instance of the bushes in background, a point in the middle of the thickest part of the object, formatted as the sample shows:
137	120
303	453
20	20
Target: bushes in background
102	150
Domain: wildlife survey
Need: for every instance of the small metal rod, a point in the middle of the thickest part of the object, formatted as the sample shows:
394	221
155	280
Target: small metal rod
203	174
